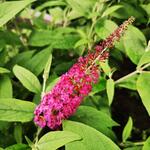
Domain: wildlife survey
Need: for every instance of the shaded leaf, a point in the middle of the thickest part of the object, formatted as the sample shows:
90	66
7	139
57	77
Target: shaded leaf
127	130
10	38
96	119
18	147
128	10
53	38
18	133
37	63
21	58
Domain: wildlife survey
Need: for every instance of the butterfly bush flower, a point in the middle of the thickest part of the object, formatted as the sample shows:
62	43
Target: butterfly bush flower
63	100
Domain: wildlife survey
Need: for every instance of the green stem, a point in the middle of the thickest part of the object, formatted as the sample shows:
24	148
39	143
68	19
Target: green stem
125	77
37	135
21	36
44	86
96	59
139	143
132	74
66	11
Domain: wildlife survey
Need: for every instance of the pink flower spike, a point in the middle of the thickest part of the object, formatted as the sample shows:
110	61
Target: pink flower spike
66	96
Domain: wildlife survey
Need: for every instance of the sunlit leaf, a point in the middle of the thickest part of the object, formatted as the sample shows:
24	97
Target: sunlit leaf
9	9
91	138
104	27
5	87
146	145
135	44
4	70
27	78
143	87
16	110
54	140
110	87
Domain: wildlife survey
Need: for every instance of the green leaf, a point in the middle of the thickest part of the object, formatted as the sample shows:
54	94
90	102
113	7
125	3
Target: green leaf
18	133
104	27
91	138
51	4
146	144
81	42
16	110
127	130
94	118
47	67
54	38
18	147
129	83
134	148
146	7
110	87
21	58
4	70
128	10
5	87
100	86
9	9
84	8
10	38
41	38
144	59
57	13
52	84
37	63
135	44
106	68
27	78
55	139
65	41
143	87
111	9
30	143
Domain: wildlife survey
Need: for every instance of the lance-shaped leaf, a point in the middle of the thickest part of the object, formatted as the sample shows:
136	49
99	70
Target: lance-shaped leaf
16	110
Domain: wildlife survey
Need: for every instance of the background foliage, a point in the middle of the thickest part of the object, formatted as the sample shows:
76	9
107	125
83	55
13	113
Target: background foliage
40	40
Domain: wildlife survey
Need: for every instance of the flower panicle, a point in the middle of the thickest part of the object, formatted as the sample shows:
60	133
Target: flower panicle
115	36
66	96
